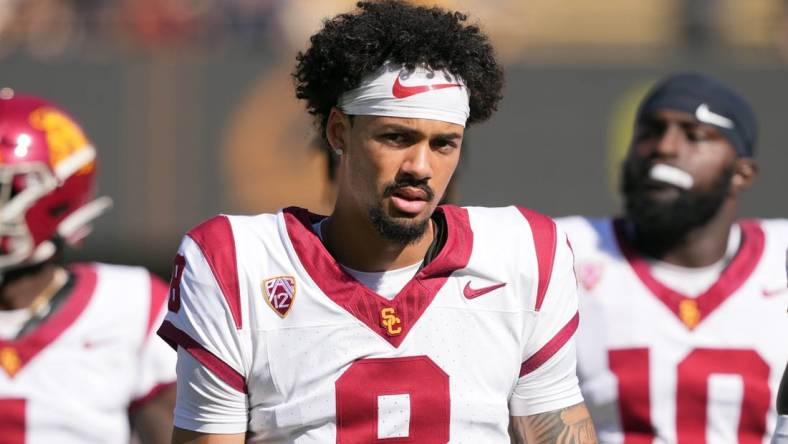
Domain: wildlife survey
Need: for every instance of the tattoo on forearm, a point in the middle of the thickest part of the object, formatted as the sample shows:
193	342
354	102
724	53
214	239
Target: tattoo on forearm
571	425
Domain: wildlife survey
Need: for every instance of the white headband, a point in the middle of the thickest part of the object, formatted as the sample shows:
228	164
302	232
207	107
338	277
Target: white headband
393	91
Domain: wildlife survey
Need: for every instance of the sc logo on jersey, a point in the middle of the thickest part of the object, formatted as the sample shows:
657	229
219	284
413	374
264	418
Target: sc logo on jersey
279	292
10	361
390	321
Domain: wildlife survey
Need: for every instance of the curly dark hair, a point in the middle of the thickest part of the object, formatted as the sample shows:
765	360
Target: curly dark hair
353	45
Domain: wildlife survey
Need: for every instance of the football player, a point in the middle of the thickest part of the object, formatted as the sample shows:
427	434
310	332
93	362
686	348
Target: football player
392	319
683	339
78	357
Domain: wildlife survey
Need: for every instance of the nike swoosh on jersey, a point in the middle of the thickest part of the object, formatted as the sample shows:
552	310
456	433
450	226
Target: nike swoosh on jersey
704	114
471	293
769	292
401	91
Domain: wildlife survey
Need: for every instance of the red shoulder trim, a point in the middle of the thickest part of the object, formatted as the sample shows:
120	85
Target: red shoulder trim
544	232
553	345
159	291
177	338
215	239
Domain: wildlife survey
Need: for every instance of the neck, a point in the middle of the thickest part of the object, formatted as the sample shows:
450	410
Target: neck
21	287
354	242
700	246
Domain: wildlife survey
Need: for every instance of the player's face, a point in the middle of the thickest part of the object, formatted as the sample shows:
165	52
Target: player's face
395	170
676	139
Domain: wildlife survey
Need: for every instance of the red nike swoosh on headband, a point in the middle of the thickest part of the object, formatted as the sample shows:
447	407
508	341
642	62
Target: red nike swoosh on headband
401	91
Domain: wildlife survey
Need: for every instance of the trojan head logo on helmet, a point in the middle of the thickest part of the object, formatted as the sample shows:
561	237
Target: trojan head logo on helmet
47	174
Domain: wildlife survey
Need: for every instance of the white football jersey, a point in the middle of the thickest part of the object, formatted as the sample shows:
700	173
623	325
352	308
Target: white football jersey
659	366
74	378
297	351
781	431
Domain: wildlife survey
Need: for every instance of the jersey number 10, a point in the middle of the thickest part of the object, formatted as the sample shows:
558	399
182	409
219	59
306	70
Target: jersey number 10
631	367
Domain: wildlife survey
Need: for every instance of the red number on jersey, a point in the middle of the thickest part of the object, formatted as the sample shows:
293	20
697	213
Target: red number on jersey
634	399
631	367
12	421
174	299
417	379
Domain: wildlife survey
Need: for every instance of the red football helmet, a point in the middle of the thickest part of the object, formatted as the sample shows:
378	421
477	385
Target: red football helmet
47	174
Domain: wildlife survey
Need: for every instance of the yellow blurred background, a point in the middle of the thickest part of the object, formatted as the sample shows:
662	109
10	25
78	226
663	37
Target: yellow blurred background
191	105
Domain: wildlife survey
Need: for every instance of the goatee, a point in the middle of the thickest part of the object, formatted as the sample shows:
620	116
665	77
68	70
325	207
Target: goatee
403	232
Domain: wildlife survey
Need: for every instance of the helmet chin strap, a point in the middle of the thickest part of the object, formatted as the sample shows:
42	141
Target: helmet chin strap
75	227
44	251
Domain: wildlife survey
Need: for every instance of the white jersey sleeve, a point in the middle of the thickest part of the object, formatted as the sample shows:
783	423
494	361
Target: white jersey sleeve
781	431
157	361
548	379
204	323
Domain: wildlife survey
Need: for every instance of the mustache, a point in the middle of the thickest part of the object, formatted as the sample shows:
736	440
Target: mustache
408	181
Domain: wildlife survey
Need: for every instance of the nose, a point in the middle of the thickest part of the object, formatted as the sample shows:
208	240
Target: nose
417	161
670	141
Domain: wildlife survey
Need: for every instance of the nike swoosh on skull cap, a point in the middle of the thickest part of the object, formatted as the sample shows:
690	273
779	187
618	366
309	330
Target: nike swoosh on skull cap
704	114
401	91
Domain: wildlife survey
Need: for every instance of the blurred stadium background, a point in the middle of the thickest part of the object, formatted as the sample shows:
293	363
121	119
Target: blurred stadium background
190	104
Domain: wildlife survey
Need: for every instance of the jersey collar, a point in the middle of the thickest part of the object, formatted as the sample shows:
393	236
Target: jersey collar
15	354
693	310
367	306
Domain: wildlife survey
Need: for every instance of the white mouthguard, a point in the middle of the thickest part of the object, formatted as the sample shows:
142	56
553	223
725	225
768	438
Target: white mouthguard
671	176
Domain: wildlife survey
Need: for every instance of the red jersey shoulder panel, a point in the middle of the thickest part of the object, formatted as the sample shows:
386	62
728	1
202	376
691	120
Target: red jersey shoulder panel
545	236
217	243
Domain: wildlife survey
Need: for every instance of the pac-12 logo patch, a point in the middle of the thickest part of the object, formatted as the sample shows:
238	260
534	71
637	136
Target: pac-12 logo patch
279	292
589	274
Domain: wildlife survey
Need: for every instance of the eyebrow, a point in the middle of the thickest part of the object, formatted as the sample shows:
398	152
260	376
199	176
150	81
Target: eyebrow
408	130
686	124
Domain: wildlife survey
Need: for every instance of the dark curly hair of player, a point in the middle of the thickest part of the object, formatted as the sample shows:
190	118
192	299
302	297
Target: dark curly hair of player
353	45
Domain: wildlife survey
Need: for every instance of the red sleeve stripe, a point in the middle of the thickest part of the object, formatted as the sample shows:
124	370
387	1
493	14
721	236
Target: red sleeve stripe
553	345
159	291
215	239
177	338
544	233
152	394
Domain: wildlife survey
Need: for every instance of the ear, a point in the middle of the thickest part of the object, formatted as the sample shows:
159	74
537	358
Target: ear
337	128
744	174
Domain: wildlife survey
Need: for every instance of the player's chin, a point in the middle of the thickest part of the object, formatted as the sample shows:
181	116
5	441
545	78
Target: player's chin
654	193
